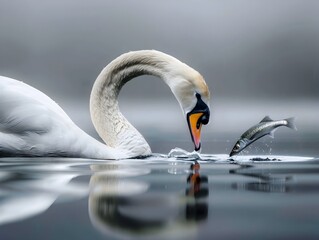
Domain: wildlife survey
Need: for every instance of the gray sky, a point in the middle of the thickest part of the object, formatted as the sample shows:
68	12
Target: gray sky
244	49
258	57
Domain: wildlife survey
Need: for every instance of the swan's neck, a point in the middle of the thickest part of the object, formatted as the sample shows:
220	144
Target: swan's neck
110	124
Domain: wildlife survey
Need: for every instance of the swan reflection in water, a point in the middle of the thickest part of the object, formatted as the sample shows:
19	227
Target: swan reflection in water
120	206
198	189
29	189
139	198
124	197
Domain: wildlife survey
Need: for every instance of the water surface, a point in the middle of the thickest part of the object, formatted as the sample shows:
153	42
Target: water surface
160	198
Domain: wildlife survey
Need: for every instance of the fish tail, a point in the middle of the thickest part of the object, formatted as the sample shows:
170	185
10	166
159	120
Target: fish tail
291	123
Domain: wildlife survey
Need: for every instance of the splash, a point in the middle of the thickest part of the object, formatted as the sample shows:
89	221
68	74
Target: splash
183	154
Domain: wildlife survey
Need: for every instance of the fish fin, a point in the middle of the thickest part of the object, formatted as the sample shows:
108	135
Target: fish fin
266	119
272	133
291	123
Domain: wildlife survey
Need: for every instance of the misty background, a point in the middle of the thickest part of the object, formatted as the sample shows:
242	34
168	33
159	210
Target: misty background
258	58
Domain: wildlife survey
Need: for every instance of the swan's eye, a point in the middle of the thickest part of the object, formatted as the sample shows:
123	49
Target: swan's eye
201	107
205	119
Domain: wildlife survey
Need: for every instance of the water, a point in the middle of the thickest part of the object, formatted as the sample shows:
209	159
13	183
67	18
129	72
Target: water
252	197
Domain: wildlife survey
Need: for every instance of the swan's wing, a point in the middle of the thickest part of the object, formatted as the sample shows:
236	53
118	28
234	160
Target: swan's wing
19	101
28	117
32	124
24	109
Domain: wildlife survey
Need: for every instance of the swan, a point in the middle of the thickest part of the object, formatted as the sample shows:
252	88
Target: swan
33	125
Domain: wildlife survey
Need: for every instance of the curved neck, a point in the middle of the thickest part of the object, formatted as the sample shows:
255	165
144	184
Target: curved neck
110	124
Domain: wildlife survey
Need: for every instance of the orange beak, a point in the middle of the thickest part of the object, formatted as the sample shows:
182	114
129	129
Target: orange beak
195	127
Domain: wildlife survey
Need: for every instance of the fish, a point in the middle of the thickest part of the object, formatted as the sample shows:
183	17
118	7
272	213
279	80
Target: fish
266	126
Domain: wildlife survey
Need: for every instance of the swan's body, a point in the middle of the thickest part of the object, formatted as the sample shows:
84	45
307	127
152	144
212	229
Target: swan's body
32	124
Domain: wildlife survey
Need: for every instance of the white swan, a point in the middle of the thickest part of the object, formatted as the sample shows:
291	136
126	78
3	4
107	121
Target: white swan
32	124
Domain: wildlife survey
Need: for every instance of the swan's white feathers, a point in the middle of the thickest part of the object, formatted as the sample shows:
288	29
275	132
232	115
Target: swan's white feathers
183	80
32	124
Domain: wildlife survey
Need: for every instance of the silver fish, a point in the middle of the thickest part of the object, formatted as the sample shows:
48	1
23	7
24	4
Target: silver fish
267	126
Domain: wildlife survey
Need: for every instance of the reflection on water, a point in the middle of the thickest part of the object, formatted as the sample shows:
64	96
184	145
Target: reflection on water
128	208
198	191
159	198
28	189
280	180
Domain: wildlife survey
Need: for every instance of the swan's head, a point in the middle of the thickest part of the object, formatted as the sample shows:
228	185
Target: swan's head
192	93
